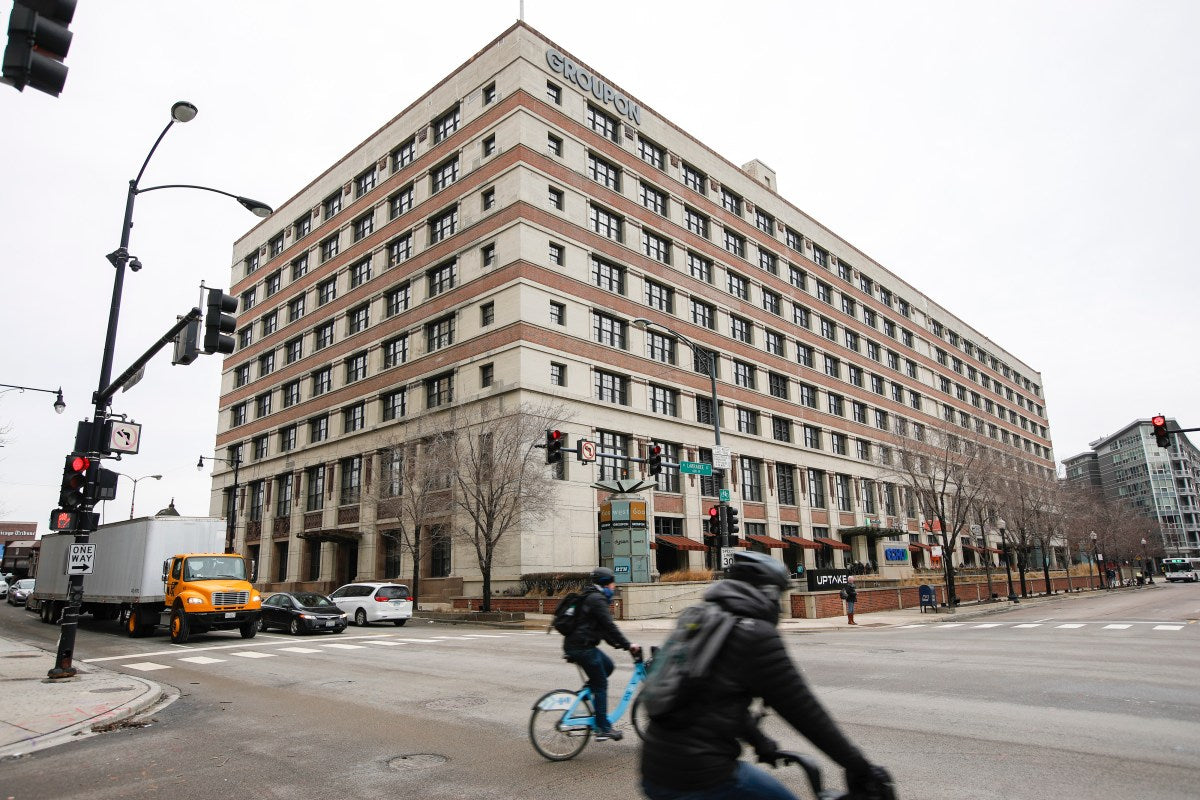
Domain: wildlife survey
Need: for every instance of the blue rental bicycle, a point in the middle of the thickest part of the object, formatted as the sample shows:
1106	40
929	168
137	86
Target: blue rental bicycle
562	722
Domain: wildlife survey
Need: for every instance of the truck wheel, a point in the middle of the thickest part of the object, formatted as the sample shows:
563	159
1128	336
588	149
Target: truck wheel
180	628
133	625
47	612
249	629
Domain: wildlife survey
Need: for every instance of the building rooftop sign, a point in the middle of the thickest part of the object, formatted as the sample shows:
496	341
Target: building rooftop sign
590	83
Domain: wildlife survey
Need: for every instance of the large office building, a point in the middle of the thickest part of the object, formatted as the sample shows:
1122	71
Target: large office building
495	242
1159	483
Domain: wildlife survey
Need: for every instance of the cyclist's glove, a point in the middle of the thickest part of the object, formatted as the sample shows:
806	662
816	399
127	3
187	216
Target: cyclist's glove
874	783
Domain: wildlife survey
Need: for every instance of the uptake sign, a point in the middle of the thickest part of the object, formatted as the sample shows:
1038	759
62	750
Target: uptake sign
824	580
600	90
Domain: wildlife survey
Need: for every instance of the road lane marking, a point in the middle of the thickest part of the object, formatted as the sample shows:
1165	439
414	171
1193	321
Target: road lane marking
253	654
298	650
202	660
1070	625
343	646
987	625
1168	627
383	642
1028	625
915	625
951	624
145	666
1117	627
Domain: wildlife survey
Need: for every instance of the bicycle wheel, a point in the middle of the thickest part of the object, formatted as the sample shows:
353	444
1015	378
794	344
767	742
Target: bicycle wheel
546	732
641	717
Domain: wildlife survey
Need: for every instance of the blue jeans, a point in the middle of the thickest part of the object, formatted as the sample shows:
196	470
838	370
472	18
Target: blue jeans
748	783
597	666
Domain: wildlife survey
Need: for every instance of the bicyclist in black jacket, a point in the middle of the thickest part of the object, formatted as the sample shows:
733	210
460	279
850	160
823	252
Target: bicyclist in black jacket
694	753
595	623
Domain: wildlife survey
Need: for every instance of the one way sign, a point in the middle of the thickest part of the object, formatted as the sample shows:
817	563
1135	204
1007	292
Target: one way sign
81	559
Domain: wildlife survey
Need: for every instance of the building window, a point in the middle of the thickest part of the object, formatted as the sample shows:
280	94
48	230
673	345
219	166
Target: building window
740	329
764	222
394	404
773	342
556	198
606	223
356	367
441	278
443	225
816	488
751	473
747	421
404	155
660	297
615	443
446	124
399	249
354	418
251	262
652	153
731	202
291	393
703	314
318	429
439	391
837	442
486	374
351	488
664	400
785	484
302	226
768	261
489	97
609	330
249	299
287	438
360	273
401	202
735	243
237	415
812	437
771	302
241	375
660	347
837	404
696	222
262	405
833	367
558	374
602	123
443	175
608	276
781	429
612	388
604	172
841	486
554	145
652	198
322	381
323	336
266	364
558	254
694	179
700	268
272	283
489	146
801	316
778	385
808	395
395	351
269	323
804	355
558	313
300	266
329	248
315	495
738	286
863	449
488	255
364	182
397	299
656	247
554	93
332	204
439	334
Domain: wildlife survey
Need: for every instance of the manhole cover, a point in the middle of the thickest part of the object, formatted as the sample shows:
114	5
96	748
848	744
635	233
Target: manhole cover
454	703
417	761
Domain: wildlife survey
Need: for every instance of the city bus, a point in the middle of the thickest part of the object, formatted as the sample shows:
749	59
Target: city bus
1181	569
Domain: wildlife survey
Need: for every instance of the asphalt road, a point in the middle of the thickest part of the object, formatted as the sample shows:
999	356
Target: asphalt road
1011	705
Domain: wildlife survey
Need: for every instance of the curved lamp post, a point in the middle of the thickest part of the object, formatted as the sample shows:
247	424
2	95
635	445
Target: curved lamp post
1096	559
1147	565
135	483
60	405
231	524
181	111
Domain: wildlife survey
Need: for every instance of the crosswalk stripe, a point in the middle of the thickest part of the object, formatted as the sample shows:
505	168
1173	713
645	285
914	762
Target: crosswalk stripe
916	625
1117	627
344	646
202	660
298	650
253	654
1029	625
951	624
987	625
385	643
1070	625
1168	627
146	666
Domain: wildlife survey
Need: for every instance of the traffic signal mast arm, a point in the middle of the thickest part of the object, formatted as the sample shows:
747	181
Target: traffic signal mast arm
103	396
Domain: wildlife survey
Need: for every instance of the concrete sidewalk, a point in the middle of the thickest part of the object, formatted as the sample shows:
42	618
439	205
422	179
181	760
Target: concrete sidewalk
36	712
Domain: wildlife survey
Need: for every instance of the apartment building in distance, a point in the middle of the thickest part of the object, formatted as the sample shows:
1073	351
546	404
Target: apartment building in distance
1160	483
495	242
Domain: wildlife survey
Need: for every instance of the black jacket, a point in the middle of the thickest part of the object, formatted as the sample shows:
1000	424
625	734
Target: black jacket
699	747
851	593
595	623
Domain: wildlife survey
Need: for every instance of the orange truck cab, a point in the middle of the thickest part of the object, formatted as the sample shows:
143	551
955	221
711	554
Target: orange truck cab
210	591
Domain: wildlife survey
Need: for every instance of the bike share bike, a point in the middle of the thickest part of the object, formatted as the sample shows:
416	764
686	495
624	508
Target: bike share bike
562	722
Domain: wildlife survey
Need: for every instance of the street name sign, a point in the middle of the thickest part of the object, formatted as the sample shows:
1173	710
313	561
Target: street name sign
695	468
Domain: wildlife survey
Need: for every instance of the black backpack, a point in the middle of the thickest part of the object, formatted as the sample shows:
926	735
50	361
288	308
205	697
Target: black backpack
683	662
566	614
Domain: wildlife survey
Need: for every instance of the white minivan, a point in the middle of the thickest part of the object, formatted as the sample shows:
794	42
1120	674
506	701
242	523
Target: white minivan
374	602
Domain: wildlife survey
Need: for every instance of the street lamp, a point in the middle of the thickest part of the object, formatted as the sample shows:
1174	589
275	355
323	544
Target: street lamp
1146	564
1096	559
710	360
181	111
135	483
60	405
1012	595
231	524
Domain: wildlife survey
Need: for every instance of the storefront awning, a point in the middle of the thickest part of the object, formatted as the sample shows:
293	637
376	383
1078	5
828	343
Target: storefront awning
802	542
918	546
834	543
679	542
769	541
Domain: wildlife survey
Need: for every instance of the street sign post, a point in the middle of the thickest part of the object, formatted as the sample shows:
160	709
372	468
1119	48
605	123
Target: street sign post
587	451
727	557
695	468
723	496
81	560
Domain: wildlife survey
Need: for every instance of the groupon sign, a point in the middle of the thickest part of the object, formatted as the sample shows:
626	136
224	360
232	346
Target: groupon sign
824	580
600	90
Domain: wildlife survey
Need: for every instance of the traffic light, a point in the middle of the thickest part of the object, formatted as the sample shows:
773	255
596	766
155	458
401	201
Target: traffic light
73	495
187	344
654	460
38	41
555	441
731	520
1161	435
106	485
714	521
219	322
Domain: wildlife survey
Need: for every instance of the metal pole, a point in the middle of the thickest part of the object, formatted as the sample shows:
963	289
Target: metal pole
133	497
1012	595
231	527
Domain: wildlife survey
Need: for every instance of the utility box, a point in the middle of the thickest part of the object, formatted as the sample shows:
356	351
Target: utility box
625	538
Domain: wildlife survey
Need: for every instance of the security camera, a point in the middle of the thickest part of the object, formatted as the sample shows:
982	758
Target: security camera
135	264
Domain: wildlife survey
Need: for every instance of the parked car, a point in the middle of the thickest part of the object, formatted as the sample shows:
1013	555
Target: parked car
375	602
301	612
4	589
19	592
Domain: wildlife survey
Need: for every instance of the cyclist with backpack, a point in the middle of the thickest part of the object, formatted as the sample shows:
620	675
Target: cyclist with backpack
693	741
593	623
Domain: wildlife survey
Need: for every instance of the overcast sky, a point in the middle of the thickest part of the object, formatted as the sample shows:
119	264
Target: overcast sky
1032	166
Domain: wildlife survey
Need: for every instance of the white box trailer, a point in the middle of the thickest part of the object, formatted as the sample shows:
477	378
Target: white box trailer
154	571
129	557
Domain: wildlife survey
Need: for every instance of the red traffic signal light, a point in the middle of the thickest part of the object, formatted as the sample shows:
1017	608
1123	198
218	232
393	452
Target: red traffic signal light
72	495
654	460
555	442
714	520
1162	436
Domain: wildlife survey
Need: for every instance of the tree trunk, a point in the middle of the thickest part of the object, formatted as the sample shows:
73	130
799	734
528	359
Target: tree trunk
487	588
1046	573
416	579
1021	567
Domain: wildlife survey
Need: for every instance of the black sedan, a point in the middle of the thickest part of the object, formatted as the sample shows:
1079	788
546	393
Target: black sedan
301	612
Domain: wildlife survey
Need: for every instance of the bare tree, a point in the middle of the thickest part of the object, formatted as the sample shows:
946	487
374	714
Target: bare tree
501	480
947	476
